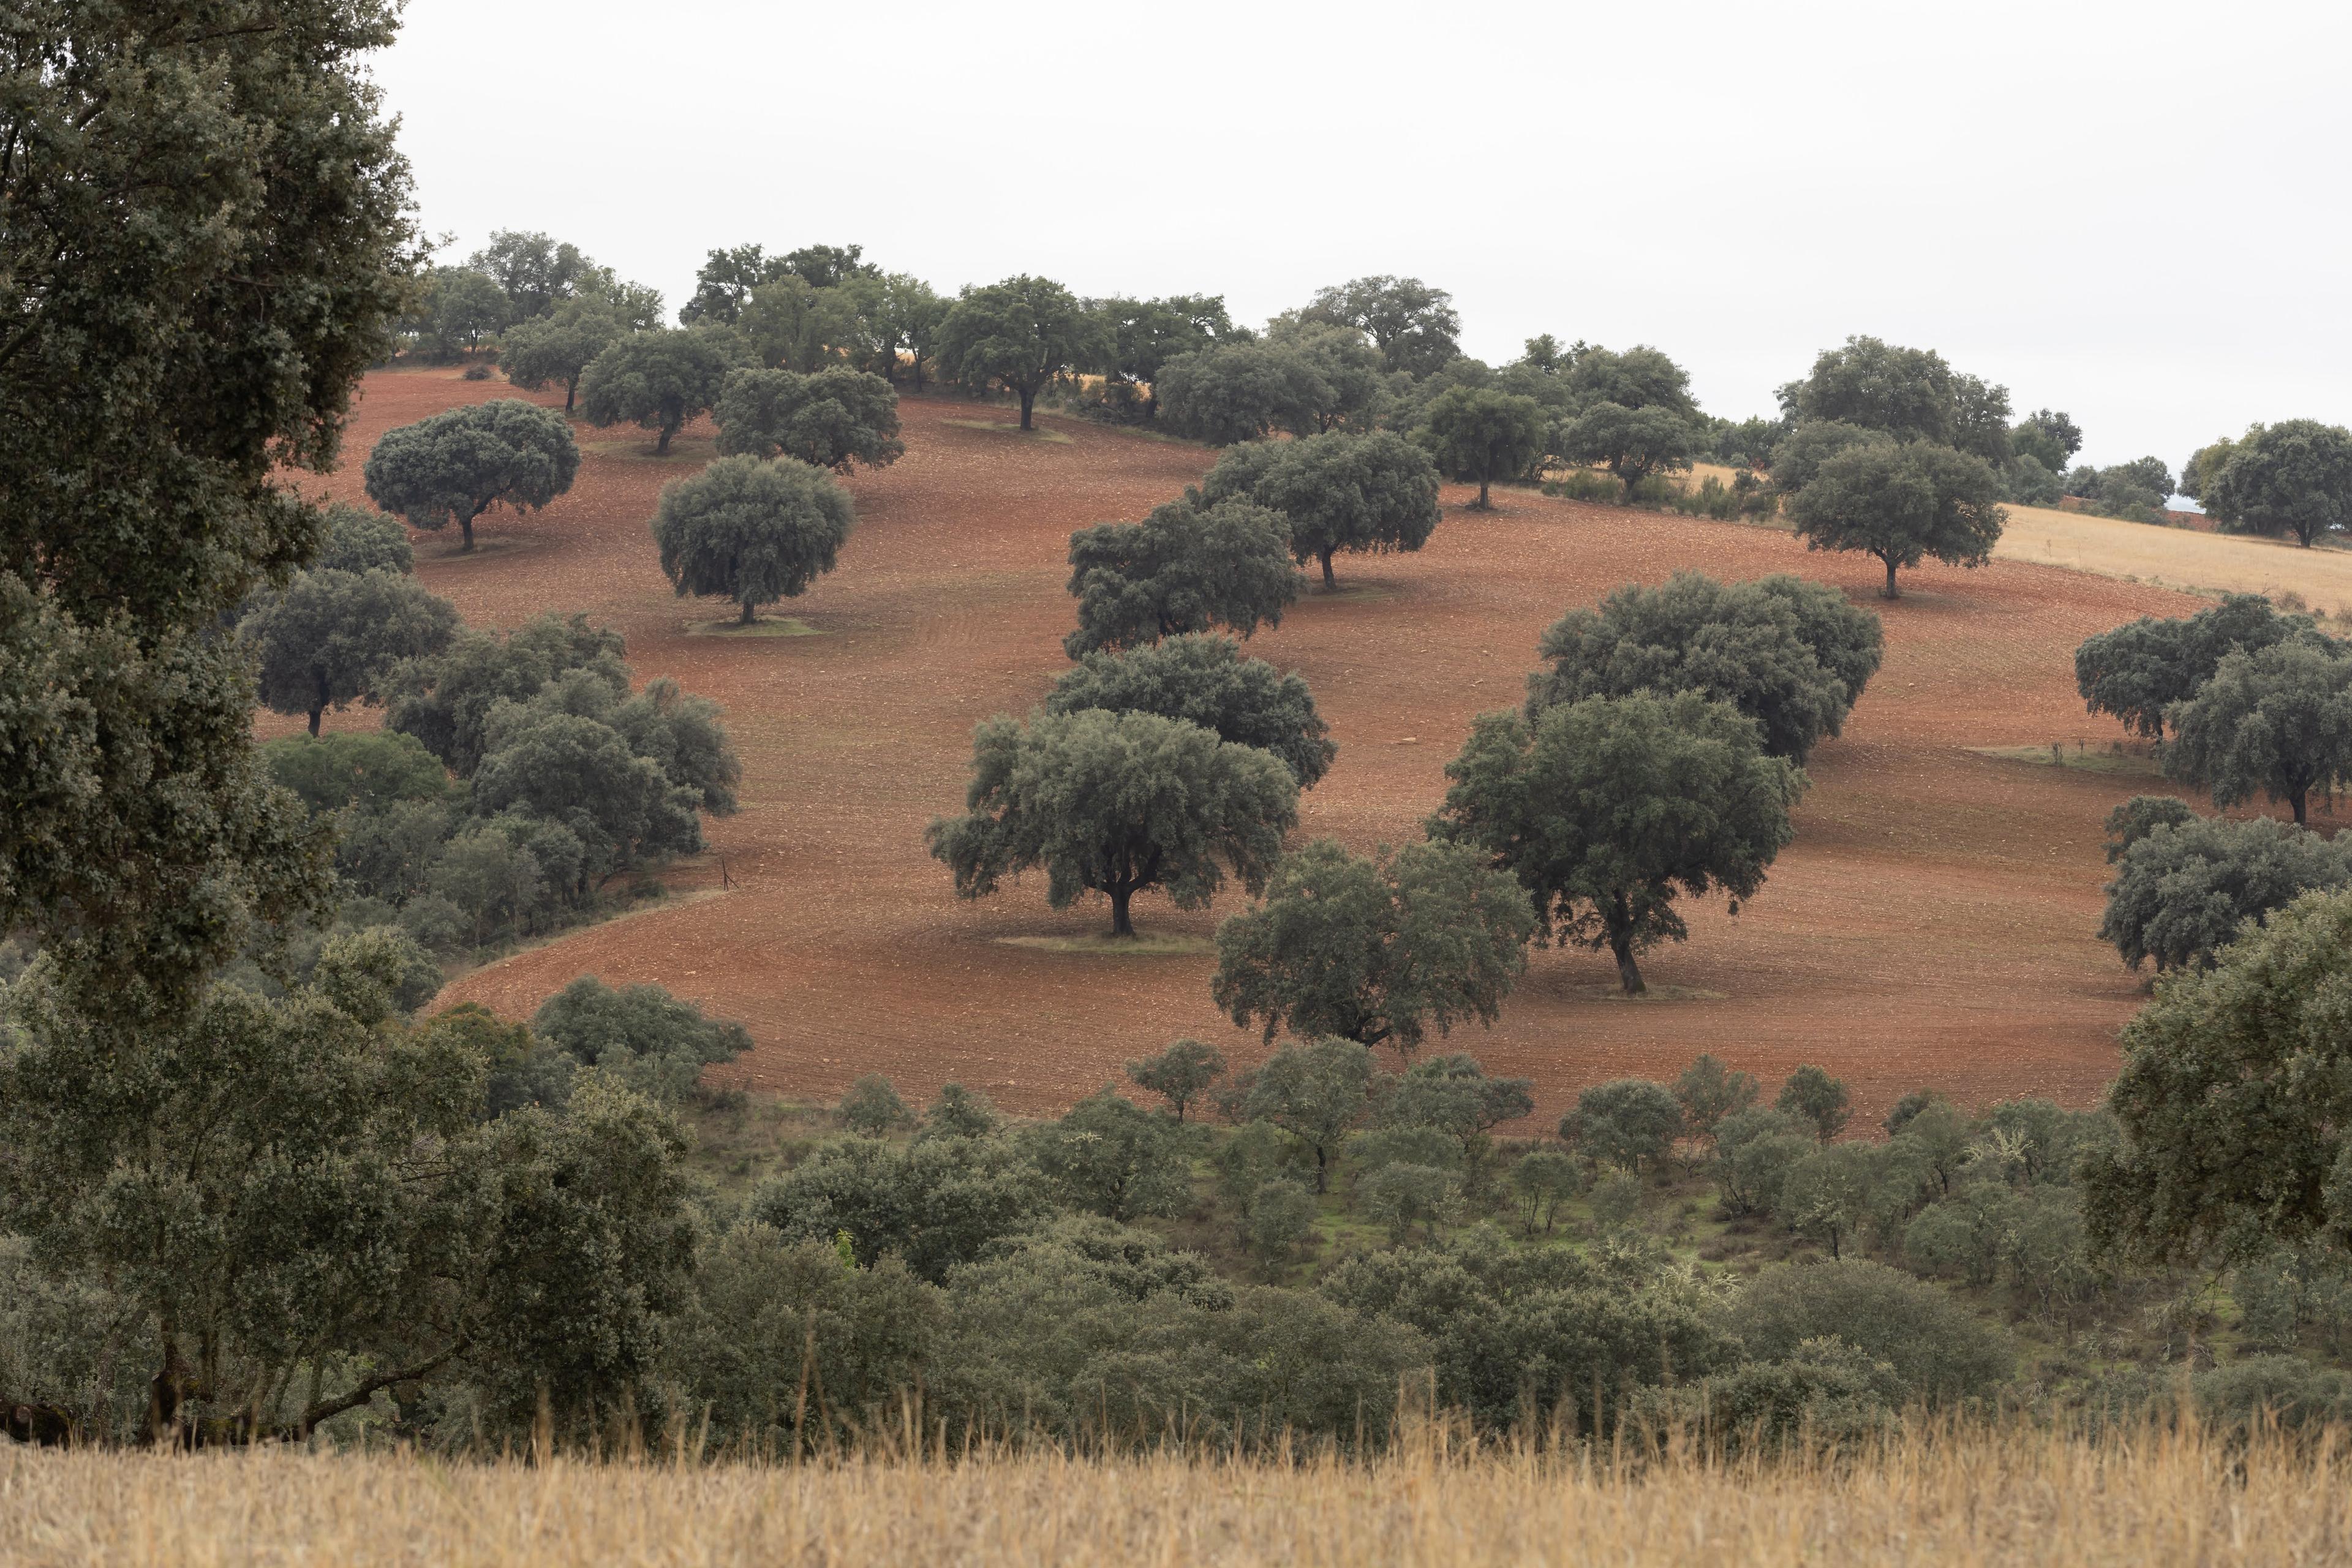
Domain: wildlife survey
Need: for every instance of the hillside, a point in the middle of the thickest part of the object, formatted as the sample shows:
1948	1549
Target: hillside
1932	924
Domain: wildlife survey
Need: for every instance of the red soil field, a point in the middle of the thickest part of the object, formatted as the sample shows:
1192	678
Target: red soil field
1932	924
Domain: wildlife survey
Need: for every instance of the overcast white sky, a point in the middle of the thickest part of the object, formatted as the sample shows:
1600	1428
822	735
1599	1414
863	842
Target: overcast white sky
2133	212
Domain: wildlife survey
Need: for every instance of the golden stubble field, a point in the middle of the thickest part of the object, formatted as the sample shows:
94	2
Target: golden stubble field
1933	924
2025	1497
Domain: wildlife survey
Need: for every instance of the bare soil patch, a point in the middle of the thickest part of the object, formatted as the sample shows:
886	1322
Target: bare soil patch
1931	925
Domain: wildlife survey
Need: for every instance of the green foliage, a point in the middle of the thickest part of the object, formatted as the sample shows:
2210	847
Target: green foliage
1018	335
2293	478
209	250
1797	459
2139	669
789	324
1540	1180
1708	1092
370	770
934	1204
959	1112
1630	1123
872	1108
1186	567
1454	1095
1109	1157
2183	889
1533	1333
1412	325
581	772
2295	1296
1938	1350
2031	484
1792	656
1814	1098
1484	434
1634	444
778	1339
639	1035
2205	465
1826	1395
2233	1100
446	701
1825	1194
457	308
538	273
1902	502
306	1185
1180	1075
558	349
1237	391
1339	491
660	379
2274	1393
457	464
1755	1150
1316	1092
1145	335
361	540
1204	679
753	530
1116	804
835	418
333	637
1608	809
1400	1196
1375	950
1910	393
2278	721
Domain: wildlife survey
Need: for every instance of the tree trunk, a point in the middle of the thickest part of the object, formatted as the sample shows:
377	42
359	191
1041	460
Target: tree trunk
1322	1170
661	448
1892	592
319	707
746	614
1028	401
1482	494
1121	922
1620	946
466	528
1329	581
2299	799
570	391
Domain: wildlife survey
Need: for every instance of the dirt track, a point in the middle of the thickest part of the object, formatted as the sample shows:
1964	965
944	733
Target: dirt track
1932	924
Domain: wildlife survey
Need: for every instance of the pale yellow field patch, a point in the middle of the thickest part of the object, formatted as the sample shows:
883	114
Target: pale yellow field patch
2178	557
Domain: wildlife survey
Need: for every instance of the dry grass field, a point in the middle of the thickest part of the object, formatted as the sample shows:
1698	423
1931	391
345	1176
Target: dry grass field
2026	1499
2178	557
1933	924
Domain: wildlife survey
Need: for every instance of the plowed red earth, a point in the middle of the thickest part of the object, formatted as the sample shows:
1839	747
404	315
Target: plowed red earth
1932	923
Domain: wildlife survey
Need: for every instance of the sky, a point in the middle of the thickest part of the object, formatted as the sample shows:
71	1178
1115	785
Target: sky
2135	212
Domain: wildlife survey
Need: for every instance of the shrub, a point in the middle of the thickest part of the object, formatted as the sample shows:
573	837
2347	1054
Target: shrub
959	1112
2266	1391
641	1034
1939	1352
935	1203
1111	1157
1708	1092
1540	1181
1814	1096
1632	1123
1180	1075
872	1108
1402	1195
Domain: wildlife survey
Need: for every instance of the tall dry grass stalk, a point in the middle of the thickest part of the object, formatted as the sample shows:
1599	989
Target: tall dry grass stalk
2023	1495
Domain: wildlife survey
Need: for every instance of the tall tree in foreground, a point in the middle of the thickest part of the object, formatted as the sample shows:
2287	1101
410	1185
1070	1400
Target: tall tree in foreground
659	381
1116	804
1377	951
2293	478
457	465
1019	335
1186	567
1903	502
2235	1099
1338	491
2277	721
1205	679
208	249
1609	809
330	639
752	530
1484	434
